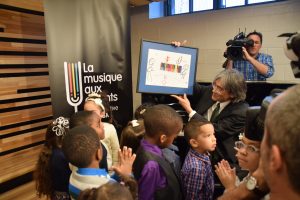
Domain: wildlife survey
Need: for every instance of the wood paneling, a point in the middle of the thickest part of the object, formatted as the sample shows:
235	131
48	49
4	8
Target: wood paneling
24	192
22	140
25	98
22	23
14	84
19	163
25	115
24	127
36	5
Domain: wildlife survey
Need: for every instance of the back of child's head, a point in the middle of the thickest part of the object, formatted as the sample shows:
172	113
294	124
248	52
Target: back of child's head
81	118
80	145
111	191
193	128
162	119
132	134
139	111
55	133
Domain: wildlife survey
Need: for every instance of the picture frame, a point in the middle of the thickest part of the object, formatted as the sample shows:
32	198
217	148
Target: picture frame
166	69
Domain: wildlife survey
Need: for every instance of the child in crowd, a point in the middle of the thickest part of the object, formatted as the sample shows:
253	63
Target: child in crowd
169	153
127	190
83	150
52	170
156	178
99	103
93	120
248	150
196	173
132	134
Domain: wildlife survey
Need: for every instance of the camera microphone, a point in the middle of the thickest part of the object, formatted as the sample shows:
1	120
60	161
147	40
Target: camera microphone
229	42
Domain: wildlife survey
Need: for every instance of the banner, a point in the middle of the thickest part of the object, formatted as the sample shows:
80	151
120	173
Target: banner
88	43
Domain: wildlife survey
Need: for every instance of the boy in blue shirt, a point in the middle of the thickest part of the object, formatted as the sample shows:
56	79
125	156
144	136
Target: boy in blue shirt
82	149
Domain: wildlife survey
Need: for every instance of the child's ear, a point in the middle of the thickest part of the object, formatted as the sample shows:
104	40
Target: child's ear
99	154
193	143
162	138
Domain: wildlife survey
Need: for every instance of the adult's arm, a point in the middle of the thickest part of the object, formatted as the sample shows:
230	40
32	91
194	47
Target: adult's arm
242	193
228	64
265	67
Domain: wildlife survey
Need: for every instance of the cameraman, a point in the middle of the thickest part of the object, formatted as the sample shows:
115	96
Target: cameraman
255	66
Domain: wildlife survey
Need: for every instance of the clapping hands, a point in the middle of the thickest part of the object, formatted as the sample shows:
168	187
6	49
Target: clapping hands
226	174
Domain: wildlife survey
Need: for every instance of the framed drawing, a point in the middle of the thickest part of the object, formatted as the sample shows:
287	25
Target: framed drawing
166	69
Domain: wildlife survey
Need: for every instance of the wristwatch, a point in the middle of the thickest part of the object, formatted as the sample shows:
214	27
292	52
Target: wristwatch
251	185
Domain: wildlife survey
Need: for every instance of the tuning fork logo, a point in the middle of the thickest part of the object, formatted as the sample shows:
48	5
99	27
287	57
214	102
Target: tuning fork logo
73	83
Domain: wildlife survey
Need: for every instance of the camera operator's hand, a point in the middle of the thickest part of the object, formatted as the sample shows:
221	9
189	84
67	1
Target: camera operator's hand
260	67
246	54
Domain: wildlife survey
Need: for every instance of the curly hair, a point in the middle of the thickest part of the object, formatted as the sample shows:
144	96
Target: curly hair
54	135
162	119
80	145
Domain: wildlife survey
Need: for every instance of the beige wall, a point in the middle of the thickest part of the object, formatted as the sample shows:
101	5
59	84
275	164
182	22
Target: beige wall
210	30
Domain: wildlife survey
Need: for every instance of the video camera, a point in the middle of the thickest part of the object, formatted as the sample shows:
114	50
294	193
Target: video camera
292	51
234	47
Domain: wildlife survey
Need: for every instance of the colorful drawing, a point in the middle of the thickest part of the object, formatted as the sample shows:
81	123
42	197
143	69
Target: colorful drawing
167	68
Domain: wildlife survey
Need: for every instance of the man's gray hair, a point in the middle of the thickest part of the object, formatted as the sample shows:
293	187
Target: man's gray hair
234	83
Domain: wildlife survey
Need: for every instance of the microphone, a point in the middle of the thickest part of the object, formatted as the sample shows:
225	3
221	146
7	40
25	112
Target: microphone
229	42
73	83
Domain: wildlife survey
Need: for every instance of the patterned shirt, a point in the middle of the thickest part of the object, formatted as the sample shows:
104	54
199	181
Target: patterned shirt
197	177
249	71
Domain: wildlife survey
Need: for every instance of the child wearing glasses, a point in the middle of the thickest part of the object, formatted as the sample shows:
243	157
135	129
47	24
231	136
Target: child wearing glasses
248	150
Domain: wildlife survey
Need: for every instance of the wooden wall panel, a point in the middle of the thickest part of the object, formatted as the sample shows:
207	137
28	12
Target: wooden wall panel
25	97
16	22
12	167
14	85
18	116
36	5
23	128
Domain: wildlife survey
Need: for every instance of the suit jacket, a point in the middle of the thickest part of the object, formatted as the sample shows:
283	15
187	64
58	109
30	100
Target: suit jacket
228	124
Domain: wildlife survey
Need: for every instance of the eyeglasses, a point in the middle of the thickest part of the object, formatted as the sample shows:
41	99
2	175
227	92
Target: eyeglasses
249	148
217	88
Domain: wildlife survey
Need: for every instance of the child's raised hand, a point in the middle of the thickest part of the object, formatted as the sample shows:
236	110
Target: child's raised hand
226	175
126	159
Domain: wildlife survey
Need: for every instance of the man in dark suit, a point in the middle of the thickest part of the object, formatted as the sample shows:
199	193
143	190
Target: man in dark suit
222	103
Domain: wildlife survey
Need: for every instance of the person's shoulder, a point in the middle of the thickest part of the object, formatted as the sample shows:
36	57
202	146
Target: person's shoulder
239	104
238	108
264	55
108	126
57	154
